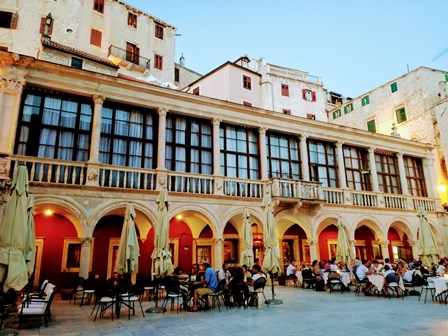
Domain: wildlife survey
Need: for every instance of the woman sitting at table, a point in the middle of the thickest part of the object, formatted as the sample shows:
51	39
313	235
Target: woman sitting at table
343	267
320	284
238	288
246	273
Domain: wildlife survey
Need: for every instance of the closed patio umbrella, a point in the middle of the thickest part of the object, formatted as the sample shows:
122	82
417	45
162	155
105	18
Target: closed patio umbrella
161	256
271	261
128	250
17	241
427	248
247	256
343	249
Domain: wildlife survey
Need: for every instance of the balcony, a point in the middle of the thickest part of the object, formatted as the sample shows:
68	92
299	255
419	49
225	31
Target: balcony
286	193
128	59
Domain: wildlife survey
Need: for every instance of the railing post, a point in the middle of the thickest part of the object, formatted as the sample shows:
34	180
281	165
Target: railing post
218	185
347	195
93	174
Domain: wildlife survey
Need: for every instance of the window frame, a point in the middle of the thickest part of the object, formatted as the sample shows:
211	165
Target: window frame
337	114
284	161
309	95
374	125
286	111
285	90
158	62
197	91
98	6
348	108
13	17
159	31
399	114
415	176
325	166
246	82
394	87
247	103
132	53
96	37
365	100
387	173
132	20
356	165
79	61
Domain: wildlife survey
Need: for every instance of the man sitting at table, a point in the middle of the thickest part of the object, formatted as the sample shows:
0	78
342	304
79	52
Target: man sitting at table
257	274
362	271
291	272
210	281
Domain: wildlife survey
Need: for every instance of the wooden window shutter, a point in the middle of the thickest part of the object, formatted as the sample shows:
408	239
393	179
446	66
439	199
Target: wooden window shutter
14	19
304	94
313	96
95	37
42	25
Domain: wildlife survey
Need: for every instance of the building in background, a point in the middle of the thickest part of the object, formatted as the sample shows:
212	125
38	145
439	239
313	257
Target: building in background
268	86
413	106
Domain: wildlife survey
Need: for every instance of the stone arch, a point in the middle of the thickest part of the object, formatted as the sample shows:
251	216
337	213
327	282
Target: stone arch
235	216
325	220
403	225
200	215
284	220
373	224
65	207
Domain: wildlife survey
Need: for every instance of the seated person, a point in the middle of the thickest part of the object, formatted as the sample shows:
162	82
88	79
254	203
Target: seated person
176	272
333	267
387	262
224	273
376	266
343	267
237	288
388	270
291	272
194	272
257	274
210	280
247	274
441	268
362	271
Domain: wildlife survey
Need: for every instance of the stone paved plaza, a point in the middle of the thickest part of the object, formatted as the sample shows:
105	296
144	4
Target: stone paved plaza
303	312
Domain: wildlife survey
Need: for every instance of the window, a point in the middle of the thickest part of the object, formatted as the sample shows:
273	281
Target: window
394	87
55	126
158	62
371	126
283	156
158	32
356	168
365	100
322	163
336	114
132	20
446	78
98	5
176	74
387	172
311	116
415	177
132	53
127	136
247	82
287	111
308	95
76	63
239	152
401	115
196	91
43	23
285	90
348	108
246	103
8	20
95	37
189	145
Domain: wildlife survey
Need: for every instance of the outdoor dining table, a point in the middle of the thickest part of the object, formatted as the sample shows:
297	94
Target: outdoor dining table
346	277
378	281
440	283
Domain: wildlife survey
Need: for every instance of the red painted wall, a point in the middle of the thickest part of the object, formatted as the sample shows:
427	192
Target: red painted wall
329	233
179	229
54	229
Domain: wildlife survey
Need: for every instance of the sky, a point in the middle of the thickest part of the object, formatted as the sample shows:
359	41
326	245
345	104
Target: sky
352	45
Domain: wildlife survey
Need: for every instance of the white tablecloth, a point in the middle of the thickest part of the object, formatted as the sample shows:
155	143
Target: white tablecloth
378	280
346	277
440	284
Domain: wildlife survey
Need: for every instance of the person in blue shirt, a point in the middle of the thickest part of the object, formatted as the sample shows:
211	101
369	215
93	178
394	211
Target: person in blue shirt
210	283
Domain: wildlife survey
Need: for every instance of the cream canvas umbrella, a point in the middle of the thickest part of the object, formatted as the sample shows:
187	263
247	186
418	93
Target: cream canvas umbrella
343	249
271	261
17	242
427	248
247	256
128	250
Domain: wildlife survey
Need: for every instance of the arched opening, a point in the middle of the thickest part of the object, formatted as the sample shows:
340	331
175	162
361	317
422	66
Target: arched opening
295	245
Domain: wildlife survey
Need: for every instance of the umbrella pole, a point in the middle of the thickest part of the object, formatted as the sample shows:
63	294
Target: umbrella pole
273	301
156	309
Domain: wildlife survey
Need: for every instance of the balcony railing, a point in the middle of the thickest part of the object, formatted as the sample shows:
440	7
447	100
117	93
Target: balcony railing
65	173
125	55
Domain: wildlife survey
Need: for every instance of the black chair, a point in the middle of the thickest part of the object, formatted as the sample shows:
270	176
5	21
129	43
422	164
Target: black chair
428	286
218	296
308	279
334	280
360	285
129	299
77	289
393	284
173	292
104	299
259	285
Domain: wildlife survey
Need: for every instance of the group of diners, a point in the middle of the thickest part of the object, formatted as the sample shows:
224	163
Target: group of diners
201	284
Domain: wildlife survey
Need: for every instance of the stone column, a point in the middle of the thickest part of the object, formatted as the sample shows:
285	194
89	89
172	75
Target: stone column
84	263
373	171
430	177
10	96
402	172
385	248
341	166
96	129
313	249
414	246
263	155
304	167
162	138
216	148
219	253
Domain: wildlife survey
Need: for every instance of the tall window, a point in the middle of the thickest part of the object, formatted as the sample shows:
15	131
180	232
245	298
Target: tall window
247	82
285	90
158	62
95	37
132	20
348	108
414	175
387	171
365	100
127	136
55	126
356	168
239	152
371	126
401	115
394	87
98	5
132	53
188	145
322	163
8	20
308	95
283	156
158	32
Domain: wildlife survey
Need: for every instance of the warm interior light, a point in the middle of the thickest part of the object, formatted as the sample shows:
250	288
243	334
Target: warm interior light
442	188
48	212
179	217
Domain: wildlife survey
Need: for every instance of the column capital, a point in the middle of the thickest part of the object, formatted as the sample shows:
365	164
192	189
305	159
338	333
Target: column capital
384	243
98	99
399	154
86	241
339	143
216	121
371	150
218	240
162	111
313	241
262	130
12	85
303	136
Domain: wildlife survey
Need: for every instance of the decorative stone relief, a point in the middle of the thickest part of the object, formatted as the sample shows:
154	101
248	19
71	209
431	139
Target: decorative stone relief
92	174
162	180
86	241
12	85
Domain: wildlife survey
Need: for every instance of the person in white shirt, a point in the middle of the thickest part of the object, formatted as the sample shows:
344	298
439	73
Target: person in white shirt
291	272
376	266
257	274
333	266
224	273
441	268
361	273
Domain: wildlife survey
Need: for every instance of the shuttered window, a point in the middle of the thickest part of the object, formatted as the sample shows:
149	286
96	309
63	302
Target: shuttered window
158	32
394	87
309	95
43	21
158	62
285	90
132	20
336	114
98	5
95	37
365	100
371	126
401	115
